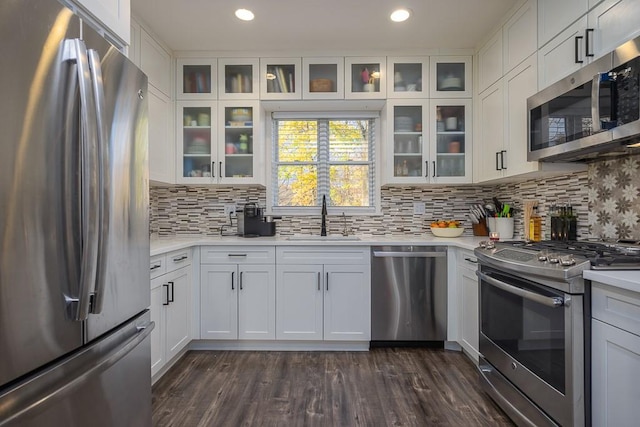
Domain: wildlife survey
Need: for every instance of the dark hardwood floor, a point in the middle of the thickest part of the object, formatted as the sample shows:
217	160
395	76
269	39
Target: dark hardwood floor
382	387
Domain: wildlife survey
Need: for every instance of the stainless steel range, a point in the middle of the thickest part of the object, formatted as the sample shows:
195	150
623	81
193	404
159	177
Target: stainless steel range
535	328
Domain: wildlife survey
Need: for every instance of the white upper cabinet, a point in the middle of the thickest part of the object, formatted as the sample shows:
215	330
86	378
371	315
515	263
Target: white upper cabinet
238	78
196	78
450	77
112	15
491	133
612	23
563	55
490	62
520	36
365	77
280	78
408	77
554	16
323	78
155	61
161	143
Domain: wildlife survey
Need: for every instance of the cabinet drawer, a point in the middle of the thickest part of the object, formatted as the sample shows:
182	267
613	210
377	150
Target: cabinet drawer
617	307
178	259
237	254
467	259
157	265
322	255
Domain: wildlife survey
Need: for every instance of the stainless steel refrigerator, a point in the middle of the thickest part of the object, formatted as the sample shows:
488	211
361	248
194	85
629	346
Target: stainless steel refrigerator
74	261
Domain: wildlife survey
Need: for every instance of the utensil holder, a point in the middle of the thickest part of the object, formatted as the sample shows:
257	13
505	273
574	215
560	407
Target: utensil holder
504	226
480	229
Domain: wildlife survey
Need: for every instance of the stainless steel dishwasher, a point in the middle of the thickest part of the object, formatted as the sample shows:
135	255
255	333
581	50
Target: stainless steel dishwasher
408	293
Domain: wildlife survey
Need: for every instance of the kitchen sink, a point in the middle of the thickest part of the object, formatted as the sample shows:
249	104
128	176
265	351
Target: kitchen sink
334	238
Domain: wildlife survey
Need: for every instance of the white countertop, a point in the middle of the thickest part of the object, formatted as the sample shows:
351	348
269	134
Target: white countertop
625	279
162	245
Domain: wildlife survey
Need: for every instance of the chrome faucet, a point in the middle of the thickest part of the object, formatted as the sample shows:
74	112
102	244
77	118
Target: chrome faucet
345	229
323	228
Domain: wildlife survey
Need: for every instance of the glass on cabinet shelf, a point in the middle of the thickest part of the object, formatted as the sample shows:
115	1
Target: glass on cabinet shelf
323	78
238	137
365	78
237	78
451	77
280	78
407	77
196	78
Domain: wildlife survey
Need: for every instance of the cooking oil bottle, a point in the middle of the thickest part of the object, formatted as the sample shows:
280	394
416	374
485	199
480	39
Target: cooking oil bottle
535	226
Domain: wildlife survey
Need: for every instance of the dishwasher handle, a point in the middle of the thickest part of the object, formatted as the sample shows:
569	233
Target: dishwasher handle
422	254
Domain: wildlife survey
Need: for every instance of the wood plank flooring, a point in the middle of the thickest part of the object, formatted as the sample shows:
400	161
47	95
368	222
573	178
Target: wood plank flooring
382	387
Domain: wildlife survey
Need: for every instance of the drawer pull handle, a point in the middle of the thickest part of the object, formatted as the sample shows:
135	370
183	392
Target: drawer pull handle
237	255
182	258
153	267
474	261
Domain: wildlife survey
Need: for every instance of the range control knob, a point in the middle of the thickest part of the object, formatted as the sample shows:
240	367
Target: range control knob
554	258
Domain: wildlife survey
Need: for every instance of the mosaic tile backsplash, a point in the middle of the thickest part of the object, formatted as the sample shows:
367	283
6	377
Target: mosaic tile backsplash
606	199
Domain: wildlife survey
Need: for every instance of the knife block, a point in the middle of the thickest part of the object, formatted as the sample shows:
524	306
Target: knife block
480	229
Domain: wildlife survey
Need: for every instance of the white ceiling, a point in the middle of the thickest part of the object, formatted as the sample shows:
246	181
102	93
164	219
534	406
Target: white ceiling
320	25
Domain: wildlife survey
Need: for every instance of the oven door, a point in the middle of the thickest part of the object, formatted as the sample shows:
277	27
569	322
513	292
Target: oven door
533	336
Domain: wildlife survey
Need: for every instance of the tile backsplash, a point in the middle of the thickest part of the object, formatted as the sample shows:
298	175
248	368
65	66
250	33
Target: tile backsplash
606	199
614	198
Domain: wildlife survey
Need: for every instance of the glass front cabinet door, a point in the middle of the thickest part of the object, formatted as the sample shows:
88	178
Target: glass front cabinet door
323	78
365	78
238	78
239	143
280	78
409	159
450	77
450	153
196	78
196	140
408	77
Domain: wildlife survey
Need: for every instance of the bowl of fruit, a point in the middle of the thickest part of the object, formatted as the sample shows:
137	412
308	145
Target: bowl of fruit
446	228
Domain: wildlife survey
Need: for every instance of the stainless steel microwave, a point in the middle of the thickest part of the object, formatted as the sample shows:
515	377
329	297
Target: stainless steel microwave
592	113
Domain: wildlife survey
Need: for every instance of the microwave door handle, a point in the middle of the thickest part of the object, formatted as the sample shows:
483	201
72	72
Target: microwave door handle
552	302
103	177
595	104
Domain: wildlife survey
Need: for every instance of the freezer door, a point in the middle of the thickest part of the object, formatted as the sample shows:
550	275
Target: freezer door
39	201
106	384
122	288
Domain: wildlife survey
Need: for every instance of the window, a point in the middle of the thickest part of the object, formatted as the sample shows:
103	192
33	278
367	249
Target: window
312	157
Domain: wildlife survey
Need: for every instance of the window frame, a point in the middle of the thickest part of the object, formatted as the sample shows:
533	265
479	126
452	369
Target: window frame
323	115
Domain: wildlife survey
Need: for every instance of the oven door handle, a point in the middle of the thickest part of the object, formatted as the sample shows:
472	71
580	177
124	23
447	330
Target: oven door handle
548	301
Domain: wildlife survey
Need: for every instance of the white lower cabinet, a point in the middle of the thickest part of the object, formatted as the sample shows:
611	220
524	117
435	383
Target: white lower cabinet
300	302
237	297
615	359
170	308
318	301
468	303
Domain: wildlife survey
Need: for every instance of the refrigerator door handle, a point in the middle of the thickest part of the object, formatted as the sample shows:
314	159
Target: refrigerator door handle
103	179
75	51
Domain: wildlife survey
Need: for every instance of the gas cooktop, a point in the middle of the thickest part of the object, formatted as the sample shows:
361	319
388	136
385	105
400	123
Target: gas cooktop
620	255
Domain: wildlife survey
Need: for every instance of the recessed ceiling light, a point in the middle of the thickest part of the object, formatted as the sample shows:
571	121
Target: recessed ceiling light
244	14
400	15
